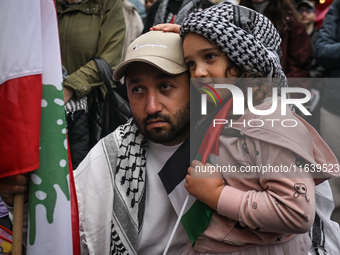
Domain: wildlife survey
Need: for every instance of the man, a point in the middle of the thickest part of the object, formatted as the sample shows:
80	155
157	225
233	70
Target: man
306	14
306	10
124	208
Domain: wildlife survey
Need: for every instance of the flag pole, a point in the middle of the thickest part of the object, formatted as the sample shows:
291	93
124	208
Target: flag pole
176	225
18	216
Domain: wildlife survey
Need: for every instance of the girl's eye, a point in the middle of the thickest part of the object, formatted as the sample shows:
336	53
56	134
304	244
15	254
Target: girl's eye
210	56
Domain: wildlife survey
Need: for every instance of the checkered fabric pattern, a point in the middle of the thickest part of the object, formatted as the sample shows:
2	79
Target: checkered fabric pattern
248	38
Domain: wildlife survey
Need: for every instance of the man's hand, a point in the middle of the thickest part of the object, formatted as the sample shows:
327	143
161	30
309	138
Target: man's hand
166	27
16	184
206	187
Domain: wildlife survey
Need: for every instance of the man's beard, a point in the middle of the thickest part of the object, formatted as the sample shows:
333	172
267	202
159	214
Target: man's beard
179	123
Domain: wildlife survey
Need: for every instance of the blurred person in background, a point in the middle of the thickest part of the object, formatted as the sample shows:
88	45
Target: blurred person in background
306	14
140	6
148	4
173	11
134	25
327	53
87	29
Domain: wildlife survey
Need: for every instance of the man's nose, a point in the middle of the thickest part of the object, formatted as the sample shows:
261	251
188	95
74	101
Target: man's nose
154	104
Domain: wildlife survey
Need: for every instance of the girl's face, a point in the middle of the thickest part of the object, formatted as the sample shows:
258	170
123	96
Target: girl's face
206	61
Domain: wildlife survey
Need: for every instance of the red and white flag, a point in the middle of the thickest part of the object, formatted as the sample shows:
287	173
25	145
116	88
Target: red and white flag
32	123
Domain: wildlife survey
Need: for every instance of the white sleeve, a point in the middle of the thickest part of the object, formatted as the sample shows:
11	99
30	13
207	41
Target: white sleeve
325	233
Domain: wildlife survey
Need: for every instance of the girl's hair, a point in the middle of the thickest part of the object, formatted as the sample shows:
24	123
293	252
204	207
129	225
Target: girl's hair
277	11
260	87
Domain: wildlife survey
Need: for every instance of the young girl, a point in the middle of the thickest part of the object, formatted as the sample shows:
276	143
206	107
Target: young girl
255	213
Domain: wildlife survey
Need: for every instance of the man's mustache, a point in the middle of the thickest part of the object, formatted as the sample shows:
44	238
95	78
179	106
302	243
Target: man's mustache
158	116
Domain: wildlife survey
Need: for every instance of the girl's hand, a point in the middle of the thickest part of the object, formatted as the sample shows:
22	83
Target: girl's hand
16	184
166	27
206	187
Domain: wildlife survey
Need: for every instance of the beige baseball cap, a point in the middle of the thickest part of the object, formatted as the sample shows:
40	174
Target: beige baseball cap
162	50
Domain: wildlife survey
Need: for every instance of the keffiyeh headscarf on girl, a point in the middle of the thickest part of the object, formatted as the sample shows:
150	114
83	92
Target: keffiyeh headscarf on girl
248	38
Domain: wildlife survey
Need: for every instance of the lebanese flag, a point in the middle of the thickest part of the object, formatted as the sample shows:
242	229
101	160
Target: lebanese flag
33	130
20	87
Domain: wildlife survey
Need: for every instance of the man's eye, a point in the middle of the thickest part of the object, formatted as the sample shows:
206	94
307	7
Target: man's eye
190	64
136	90
166	86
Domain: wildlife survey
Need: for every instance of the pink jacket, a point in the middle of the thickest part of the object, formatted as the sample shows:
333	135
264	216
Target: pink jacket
258	208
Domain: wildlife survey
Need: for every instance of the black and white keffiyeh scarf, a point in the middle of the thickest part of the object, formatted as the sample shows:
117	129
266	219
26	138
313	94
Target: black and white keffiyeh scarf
247	37
129	189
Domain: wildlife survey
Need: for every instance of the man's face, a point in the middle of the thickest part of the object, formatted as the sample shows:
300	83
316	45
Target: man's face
306	14
159	103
